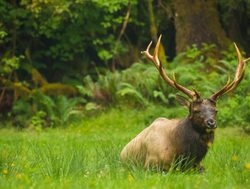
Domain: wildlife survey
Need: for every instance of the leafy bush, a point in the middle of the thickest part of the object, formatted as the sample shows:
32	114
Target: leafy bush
141	85
39	111
235	112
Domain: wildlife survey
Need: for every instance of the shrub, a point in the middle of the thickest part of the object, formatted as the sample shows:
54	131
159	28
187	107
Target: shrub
39	111
141	85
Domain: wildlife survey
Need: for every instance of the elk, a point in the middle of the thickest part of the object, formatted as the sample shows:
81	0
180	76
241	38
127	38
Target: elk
168	140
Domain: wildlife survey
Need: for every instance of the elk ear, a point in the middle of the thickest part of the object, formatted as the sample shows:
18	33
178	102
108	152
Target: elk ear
183	100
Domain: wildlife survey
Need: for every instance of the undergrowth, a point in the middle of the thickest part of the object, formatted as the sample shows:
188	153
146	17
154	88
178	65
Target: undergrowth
141	86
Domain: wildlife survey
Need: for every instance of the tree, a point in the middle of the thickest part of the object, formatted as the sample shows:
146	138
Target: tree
197	22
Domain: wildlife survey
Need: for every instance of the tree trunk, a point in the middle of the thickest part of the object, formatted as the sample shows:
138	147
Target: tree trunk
237	28
197	22
153	31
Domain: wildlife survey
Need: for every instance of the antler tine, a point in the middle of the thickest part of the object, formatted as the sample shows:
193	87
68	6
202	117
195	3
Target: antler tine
146	52
196	93
162	72
239	73
157	50
247	59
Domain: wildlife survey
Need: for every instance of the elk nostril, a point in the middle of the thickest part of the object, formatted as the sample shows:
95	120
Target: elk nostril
211	122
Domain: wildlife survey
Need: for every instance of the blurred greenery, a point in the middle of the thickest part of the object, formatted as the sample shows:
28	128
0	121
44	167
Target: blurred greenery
67	60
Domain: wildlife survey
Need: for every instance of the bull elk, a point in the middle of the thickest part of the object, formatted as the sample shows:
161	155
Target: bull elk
167	140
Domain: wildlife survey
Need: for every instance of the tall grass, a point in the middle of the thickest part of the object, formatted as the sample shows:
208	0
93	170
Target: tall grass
86	155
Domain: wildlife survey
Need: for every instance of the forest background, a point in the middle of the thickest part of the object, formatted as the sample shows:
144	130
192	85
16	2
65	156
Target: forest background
65	59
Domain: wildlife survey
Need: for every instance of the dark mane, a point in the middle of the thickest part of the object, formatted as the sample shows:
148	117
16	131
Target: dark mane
191	143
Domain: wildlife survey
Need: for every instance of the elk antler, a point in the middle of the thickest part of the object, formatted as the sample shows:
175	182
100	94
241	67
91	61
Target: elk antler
231	85
192	94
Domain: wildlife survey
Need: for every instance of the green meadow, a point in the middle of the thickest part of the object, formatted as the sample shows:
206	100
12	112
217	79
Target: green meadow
86	155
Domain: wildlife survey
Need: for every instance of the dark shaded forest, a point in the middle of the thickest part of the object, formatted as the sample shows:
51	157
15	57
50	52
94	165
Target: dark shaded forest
85	54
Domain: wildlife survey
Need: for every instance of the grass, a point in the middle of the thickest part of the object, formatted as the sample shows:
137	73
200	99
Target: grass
86	155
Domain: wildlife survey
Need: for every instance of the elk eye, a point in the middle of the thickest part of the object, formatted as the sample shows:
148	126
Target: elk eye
197	111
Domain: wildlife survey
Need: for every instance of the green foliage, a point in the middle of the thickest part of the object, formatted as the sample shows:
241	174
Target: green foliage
142	81
235	112
132	85
9	64
195	54
39	111
38	120
141	85
73	31
64	109
63	35
76	36
127	90
68	40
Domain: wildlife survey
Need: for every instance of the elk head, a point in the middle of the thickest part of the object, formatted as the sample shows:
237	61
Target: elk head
202	112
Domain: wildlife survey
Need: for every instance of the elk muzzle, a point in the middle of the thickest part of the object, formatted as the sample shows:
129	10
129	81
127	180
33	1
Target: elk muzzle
210	123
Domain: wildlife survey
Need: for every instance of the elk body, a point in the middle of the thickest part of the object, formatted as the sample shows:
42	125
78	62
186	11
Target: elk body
168	140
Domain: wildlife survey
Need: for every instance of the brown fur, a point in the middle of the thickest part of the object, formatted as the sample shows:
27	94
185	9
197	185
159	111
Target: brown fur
165	141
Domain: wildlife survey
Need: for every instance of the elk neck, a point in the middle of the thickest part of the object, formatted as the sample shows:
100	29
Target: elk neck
194	143
205	136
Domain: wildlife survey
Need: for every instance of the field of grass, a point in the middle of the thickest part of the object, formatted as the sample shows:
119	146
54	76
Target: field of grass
86	155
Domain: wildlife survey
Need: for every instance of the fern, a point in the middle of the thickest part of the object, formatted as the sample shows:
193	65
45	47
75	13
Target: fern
129	90
65	108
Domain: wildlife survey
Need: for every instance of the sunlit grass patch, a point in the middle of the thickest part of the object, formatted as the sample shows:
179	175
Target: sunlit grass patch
86	155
